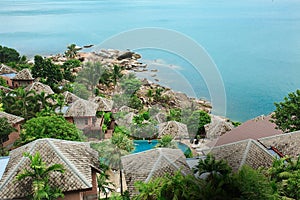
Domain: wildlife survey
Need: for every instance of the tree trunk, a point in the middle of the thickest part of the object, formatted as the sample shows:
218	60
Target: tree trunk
121	182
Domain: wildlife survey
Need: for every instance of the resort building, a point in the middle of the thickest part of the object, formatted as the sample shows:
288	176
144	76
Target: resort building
80	162
16	122
7	74
22	78
151	164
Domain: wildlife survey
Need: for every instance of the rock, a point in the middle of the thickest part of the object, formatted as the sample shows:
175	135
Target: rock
136	56
125	55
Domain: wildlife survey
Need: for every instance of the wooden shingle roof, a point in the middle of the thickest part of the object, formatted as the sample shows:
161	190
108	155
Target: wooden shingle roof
153	163
70	97
248	152
77	158
82	108
12	119
104	104
4	69
287	143
39	88
174	128
24	74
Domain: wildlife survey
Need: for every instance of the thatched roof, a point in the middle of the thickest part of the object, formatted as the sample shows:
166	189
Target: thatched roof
4	69
174	128
70	97
248	152
104	104
151	164
24	74
77	158
39	88
217	127
82	108
5	89
287	143
126	120
12	119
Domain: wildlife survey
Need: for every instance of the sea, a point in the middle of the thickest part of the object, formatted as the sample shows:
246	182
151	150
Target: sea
254	45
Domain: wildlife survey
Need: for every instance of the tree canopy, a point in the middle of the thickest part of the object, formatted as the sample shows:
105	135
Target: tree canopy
8	55
49	127
287	115
5	129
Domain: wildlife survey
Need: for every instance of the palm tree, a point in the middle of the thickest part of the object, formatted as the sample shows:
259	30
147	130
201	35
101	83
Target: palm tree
71	51
116	73
166	142
112	150
212	167
39	173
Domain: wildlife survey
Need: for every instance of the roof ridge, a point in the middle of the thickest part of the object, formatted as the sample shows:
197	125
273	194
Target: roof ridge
154	167
17	166
246	153
69	164
279	135
173	163
228	144
257	143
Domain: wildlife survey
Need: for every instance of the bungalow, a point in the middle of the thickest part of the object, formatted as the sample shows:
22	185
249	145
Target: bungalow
176	129
23	78
82	113
39	88
7	74
16	122
151	164
80	162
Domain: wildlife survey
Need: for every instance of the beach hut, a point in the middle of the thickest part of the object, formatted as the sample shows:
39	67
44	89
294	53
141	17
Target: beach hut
104	104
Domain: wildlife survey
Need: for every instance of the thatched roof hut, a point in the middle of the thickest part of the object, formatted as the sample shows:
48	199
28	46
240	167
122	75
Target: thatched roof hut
39	88
70	97
4	69
24	74
82	108
12	119
78	159
174	128
104	104
151	164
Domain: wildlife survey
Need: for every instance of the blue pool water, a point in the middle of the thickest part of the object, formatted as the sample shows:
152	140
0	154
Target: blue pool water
254	43
144	145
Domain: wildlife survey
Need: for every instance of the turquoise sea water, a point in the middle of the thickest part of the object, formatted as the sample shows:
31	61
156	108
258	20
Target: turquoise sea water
254	43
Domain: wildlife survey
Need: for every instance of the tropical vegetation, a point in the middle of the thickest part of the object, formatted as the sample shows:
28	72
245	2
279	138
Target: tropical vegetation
39	174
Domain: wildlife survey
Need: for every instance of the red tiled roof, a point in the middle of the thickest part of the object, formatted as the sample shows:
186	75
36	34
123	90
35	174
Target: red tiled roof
256	128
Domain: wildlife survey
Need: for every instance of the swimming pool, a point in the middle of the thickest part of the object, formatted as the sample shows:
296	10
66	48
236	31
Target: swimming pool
144	145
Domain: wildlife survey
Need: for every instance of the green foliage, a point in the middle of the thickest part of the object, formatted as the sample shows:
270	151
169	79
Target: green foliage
131	101
174	115
284	175
251	184
170	186
71	51
67	69
166	142
3	82
130	84
91	74
135	102
287	115
196	121
236	124
122	142
39	173
8	55
5	129
81	91
45	69
49	127
25	103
